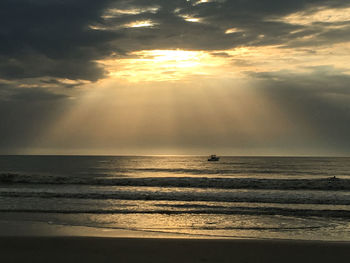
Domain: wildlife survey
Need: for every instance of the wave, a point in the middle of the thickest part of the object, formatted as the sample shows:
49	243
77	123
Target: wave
189	195
273	211
329	183
221	171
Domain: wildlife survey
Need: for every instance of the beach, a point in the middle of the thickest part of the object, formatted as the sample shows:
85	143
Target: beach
42	242
106	249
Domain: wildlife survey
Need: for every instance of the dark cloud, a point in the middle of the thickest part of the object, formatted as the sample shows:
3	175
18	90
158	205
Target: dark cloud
10	93
59	83
36	66
257	23
51	38
56	38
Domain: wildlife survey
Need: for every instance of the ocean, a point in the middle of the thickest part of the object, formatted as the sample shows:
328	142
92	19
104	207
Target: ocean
238	197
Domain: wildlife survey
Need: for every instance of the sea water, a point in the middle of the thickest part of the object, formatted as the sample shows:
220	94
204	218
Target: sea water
237	197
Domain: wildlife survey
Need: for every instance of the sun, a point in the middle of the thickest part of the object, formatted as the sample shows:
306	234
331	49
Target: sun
171	58
169	55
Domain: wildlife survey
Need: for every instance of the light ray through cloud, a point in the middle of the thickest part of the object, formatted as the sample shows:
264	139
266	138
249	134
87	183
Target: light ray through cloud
175	76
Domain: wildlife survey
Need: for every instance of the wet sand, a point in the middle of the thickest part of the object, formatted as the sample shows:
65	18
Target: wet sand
107	249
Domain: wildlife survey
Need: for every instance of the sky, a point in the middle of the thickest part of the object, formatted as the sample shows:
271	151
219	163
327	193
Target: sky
239	77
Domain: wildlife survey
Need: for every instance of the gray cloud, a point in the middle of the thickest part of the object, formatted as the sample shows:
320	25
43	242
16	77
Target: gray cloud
257	24
54	38
51	38
31	94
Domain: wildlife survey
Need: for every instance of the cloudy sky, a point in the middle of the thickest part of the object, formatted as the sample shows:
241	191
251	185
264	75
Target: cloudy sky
231	77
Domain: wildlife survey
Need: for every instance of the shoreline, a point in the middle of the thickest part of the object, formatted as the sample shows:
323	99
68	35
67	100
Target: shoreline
22	241
12	226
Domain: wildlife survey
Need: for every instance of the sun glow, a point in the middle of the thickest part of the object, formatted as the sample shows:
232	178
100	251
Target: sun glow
161	65
181	57
143	23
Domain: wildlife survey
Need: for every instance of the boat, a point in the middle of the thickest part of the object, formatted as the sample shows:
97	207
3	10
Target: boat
213	158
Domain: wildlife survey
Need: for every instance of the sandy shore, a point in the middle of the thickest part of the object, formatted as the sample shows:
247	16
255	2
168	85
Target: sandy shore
104	249
27	241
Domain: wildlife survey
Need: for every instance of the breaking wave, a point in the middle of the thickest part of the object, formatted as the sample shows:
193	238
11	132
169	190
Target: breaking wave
329	183
227	211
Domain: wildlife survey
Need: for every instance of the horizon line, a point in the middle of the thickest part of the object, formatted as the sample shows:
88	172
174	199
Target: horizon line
178	155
